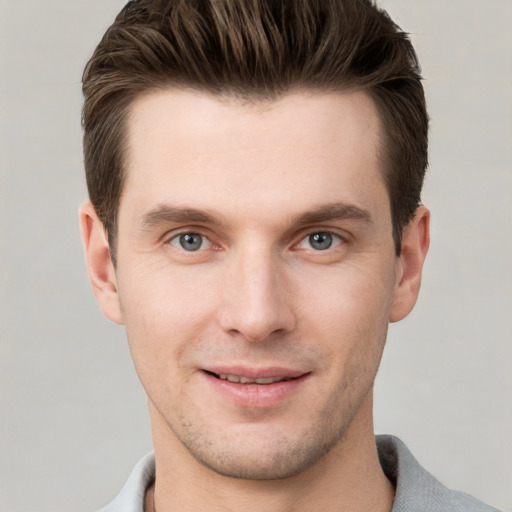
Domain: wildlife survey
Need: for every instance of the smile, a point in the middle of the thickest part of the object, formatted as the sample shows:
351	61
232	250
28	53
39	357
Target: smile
247	380
255	388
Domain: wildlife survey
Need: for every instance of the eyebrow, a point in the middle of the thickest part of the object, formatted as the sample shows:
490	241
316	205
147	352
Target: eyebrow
334	211
165	214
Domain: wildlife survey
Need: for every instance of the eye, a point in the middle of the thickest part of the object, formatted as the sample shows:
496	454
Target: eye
190	242
320	241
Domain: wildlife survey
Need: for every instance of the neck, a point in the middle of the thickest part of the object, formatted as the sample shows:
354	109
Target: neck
349	478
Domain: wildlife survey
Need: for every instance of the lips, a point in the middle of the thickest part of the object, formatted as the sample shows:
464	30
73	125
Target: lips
253	387
240	379
246	375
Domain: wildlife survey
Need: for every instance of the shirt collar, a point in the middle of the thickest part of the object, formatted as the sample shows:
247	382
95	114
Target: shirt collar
131	497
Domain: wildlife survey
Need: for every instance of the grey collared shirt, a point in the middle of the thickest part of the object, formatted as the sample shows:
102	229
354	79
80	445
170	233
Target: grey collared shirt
416	489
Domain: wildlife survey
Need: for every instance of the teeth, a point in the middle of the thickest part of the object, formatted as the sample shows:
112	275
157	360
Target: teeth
266	381
247	380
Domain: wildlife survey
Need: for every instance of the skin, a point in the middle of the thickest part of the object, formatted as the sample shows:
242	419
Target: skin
252	183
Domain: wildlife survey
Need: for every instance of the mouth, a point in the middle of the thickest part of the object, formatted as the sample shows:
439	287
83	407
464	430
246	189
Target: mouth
241	379
255	388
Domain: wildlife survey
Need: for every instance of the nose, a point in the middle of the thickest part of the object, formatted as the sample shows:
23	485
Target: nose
256	300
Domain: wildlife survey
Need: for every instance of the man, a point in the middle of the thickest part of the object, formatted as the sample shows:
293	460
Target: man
254	171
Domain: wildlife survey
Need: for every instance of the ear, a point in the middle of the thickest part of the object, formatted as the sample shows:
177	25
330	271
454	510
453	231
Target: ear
415	243
99	263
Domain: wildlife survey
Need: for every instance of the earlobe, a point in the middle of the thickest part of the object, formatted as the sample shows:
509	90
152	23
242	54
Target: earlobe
99	263
415	244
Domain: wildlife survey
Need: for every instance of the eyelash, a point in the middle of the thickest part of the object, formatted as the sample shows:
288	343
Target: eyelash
176	238
336	239
331	234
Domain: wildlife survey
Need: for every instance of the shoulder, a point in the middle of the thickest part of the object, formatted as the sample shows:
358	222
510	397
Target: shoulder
416	489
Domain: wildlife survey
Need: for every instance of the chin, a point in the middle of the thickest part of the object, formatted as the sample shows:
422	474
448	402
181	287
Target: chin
264	456
284	463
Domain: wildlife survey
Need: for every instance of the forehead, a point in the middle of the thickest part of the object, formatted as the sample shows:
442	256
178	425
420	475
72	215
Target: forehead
298	118
198	150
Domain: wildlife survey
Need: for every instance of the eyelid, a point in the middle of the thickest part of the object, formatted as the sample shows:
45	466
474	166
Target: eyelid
205	241
173	236
173	232
334	233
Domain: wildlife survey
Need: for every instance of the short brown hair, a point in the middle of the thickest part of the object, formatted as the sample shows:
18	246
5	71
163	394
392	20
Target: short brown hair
255	50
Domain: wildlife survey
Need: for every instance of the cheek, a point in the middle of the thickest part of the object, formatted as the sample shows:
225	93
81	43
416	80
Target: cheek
165	313
350	324
349	297
164	297
347	312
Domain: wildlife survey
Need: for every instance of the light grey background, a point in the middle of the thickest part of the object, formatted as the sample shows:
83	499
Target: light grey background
72	416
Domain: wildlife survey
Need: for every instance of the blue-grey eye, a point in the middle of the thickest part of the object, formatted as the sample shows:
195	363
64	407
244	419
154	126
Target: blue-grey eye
320	241
190	242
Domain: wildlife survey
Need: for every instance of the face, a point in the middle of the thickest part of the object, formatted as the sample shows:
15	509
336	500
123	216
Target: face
256	274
